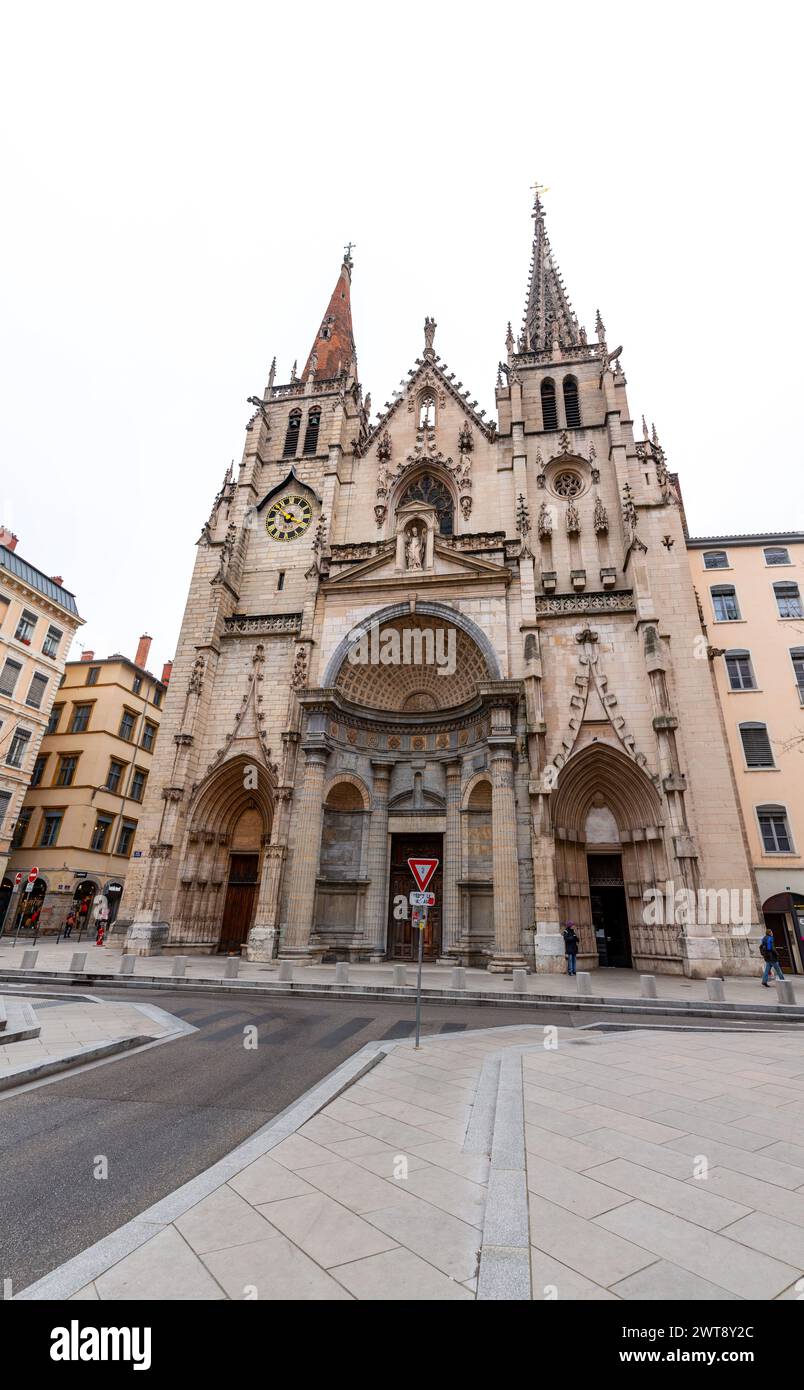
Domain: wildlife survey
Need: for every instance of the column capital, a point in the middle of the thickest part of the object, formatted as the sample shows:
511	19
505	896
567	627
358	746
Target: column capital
381	768
316	750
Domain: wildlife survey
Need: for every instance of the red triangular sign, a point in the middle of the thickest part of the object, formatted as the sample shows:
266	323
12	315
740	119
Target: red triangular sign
422	870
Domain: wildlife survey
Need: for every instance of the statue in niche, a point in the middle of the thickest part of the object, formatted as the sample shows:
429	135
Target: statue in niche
413	549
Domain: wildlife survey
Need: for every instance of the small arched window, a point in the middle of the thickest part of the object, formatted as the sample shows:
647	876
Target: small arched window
777	555
311	433
549	411
572	408
292	436
775	829
788	600
716	560
740	671
427	410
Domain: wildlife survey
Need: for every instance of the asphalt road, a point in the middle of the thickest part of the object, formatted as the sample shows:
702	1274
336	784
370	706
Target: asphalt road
162	1116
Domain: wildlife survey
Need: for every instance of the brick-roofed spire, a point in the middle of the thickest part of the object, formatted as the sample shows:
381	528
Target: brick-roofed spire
334	347
549	316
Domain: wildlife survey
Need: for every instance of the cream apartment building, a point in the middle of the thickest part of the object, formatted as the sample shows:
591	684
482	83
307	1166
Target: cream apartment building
750	590
79	821
38	618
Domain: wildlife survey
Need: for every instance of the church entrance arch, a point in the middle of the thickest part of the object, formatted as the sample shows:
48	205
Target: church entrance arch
403	943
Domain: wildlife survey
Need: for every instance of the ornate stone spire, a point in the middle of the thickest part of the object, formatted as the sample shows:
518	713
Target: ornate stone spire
334	346
549	316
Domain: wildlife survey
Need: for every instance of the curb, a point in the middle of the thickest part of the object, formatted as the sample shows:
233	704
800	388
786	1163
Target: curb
789	1013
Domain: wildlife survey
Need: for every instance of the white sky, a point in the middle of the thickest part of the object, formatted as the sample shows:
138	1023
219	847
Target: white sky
179	181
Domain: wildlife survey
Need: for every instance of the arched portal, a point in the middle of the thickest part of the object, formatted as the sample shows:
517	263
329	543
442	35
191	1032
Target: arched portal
607	819
229	825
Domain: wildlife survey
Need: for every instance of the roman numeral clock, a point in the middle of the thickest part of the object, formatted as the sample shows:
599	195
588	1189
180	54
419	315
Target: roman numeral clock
288	517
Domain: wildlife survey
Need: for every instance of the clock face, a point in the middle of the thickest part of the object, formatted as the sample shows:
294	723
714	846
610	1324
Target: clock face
288	517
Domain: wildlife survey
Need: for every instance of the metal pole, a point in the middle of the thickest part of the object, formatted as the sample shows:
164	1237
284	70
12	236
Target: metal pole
419	975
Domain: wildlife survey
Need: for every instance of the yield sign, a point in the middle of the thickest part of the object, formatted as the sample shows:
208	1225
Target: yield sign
422	870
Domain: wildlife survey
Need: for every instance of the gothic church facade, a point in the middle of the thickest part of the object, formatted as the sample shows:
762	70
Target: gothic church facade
435	634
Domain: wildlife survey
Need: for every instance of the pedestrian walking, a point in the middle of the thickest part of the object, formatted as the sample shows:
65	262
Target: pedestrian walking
571	947
69	923
770	955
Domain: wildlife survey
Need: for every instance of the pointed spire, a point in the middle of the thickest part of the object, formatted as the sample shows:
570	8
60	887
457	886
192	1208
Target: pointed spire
645	434
549	316
334	346
600	328
271	378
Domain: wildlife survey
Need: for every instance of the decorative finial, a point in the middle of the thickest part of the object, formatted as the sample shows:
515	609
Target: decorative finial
347	254
293	376
509	339
644	428
600	328
655	437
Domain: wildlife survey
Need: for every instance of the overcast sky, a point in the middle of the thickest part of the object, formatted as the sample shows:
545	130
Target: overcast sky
179	181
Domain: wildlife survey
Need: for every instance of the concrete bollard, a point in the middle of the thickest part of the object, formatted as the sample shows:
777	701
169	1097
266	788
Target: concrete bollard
785	994
584	982
520	981
285	972
78	964
400	975
457	977
29	960
231	967
127	965
715	990
179	967
648	986
342	972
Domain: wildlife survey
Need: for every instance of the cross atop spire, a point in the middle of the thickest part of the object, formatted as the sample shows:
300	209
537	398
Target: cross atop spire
549	316
333	350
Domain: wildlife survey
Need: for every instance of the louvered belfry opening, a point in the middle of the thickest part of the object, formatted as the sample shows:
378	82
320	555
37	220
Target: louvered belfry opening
549	411
572	408
292	436
311	433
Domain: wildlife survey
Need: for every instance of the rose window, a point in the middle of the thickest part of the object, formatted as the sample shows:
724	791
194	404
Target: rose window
567	484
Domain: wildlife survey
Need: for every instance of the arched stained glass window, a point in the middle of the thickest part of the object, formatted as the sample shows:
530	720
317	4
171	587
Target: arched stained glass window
436	494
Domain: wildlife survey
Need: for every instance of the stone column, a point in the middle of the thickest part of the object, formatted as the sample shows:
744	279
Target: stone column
452	863
507	923
304	871
377	862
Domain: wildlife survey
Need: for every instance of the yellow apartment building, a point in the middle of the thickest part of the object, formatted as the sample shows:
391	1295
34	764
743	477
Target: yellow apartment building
79	821
750	591
38	618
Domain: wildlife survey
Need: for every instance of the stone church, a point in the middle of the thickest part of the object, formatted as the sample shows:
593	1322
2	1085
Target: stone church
430	633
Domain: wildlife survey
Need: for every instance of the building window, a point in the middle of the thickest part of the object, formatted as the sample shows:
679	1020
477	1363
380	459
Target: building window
126	725
756	745
427	410
157	696
797	658
102	825
148	737
39	769
740	671
549	411
138	784
113	776
311	433
435	494
777	555
572	408
775	830
5	802
36	691
724	601
80	720
92	675
126	837
280	583
21	828
53	721
25	627
716	560
50	646
51	825
292	435
137	685
788	600
65	773
8	677
19	747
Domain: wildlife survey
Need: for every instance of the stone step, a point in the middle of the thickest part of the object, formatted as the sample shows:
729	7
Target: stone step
3	1016
21	1023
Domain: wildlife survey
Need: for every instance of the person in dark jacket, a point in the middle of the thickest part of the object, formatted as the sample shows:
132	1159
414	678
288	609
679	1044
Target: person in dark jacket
570	947
771	958
69	923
